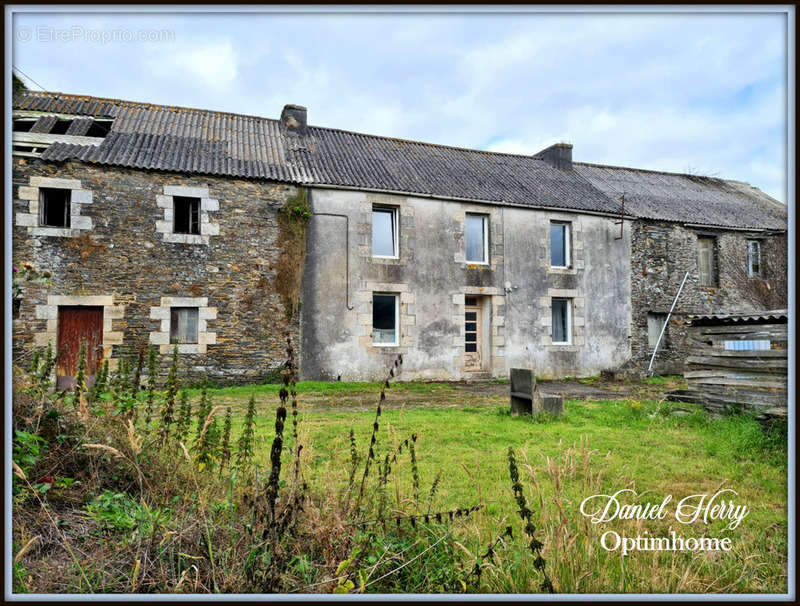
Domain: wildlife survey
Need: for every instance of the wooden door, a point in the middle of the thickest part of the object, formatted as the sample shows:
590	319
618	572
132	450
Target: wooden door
473	334
79	325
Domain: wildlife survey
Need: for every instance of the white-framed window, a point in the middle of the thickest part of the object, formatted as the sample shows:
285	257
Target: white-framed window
186	215
753	258
562	321
477	238
705	260
384	232
385	319
559	244
54	207
183	327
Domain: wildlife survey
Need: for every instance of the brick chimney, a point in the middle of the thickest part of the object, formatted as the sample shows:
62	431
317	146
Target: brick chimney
293	119
558	155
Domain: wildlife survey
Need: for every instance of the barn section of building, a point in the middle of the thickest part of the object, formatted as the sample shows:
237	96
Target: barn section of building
174	236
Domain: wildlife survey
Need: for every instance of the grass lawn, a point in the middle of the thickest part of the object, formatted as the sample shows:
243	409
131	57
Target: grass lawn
596	447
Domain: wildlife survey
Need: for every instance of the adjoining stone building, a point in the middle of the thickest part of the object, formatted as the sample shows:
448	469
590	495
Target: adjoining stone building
164	225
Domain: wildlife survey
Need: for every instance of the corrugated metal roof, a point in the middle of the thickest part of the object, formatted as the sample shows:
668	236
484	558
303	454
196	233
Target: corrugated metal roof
216	143
775	315
687	198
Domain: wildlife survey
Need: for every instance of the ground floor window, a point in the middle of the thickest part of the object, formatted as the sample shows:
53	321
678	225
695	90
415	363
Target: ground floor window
385	319
183	325
562	320
655	322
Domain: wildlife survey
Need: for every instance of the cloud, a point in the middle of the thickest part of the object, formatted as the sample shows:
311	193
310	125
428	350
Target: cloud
212	66
659	91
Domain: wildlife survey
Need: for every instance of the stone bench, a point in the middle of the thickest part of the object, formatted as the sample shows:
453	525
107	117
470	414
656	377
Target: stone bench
526	397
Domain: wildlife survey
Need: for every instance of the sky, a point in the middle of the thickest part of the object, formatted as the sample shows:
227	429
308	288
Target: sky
703	94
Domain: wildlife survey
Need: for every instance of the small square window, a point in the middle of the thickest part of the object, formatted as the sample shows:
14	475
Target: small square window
385	319
477	237
753	258
559	245
562	321
384	232
54	207
186	218
183	325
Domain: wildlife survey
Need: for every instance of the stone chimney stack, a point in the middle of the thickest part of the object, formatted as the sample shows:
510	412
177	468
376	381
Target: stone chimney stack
558	155
293	119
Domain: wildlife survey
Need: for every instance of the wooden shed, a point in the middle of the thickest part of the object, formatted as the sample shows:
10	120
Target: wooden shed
738	363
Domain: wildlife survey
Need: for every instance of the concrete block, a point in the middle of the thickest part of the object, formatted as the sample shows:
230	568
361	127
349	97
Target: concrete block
159	338
27	193
209	204
81	196
190	192
55	183
81	222
159	313
27	220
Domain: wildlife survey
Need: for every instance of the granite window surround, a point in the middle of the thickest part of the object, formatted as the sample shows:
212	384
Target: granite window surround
78	197
163	313
166	226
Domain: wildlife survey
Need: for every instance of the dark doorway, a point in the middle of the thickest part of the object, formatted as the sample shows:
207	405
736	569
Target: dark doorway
79	325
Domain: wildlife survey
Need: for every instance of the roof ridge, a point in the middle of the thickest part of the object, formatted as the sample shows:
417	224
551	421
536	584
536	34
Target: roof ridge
659	172
141	104
146	104
441	145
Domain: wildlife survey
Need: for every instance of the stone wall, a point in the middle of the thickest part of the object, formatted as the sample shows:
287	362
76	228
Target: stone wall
662	253
119	253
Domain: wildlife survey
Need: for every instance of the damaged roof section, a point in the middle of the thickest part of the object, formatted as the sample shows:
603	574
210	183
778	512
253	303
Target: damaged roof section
160	137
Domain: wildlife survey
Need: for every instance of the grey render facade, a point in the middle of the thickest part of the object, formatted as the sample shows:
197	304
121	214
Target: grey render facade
467	263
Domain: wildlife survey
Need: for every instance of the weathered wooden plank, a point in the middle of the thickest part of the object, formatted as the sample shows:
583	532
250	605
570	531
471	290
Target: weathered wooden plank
772	364
740	382
728	353
45	139
694	373
741	329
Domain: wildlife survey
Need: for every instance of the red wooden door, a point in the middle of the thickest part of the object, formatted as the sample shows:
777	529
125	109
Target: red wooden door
77	325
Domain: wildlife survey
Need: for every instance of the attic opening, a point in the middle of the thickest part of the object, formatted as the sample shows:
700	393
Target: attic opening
186	215
60	127
54	206
23	126
99	128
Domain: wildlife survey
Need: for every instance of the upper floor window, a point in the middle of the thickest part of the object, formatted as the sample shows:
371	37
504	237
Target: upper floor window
753	258
559	244
384	232
54	207
705	260
183	325
186	215
477	236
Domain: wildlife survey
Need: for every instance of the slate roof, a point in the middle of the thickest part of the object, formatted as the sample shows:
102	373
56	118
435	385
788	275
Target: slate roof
160	137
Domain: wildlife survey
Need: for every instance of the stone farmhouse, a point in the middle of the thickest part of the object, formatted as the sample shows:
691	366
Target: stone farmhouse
167	226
